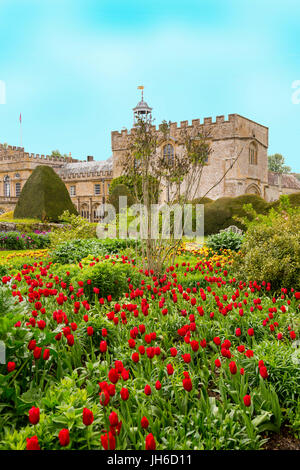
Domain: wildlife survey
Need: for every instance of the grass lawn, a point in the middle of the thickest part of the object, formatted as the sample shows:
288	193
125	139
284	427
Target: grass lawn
9	217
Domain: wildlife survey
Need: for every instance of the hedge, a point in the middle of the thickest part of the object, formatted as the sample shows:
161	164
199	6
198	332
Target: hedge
219	214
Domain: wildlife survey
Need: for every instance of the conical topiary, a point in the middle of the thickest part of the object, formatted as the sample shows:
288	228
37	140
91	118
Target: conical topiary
44	196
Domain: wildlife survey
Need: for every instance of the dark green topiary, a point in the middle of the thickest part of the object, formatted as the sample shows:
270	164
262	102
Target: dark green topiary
44	196
120	190
135	184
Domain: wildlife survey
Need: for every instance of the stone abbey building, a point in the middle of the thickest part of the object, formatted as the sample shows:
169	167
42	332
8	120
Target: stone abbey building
239	148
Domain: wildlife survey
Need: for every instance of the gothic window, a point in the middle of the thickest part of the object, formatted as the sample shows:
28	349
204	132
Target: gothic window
85	212
72	190
18	189
6	186
97	212
97	189
168	152
253	154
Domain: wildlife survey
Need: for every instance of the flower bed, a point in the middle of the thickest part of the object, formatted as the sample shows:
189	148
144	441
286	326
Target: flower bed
194	359
23	241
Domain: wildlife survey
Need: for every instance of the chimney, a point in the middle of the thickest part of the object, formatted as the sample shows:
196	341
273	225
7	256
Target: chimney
89	158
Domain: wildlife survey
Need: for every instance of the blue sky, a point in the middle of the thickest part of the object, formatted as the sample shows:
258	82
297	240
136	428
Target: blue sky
72	68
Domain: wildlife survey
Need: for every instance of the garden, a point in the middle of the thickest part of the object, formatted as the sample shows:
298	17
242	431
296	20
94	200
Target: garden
103	353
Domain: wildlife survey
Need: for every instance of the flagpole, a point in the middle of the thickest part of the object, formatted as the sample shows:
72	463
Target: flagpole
20	130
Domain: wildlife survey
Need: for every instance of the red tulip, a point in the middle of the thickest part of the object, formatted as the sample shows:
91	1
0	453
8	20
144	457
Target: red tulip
11	366
150	442
32	443
64	437
108	441
87	417
247	400
144	422
34	415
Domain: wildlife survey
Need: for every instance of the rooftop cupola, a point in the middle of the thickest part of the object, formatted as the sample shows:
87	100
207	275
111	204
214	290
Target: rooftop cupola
142	110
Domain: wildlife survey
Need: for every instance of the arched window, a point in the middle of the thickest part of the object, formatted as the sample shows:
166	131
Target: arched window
85	211
253	154
169	153
96	212
6	186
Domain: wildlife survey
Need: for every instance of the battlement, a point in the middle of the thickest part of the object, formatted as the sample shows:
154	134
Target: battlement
207	121
219	128
14	153
184	124
85	175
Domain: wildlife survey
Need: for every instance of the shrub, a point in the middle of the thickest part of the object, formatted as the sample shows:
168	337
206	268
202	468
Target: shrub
74	250
201	200
271	247
222	213
7	215
228	240
44	196
136	184
111	279
76	227
22	241
219	214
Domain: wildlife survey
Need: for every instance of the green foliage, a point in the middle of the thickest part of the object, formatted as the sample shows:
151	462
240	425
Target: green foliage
74	250
56	153
76	227
271	247
294	200
276	164
44	196
225	240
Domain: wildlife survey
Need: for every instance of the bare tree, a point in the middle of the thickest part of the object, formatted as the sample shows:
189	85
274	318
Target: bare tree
179	175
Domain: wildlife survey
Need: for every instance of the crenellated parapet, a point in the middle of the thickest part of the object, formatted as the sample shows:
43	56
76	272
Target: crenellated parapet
235	126
14	153
84	174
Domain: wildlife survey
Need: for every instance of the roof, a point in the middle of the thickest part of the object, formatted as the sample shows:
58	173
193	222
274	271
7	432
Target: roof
287	181
86	167
142	105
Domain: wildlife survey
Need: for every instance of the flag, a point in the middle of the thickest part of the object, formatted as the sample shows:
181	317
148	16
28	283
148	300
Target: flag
140	87
20	119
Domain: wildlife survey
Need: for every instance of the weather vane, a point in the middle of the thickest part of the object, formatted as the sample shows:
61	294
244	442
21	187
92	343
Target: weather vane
141	87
